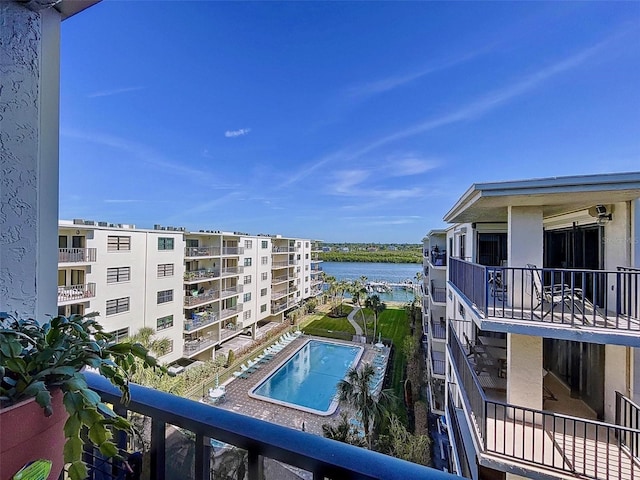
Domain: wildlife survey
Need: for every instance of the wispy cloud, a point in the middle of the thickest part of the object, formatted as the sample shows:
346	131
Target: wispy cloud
237	133
347	180
470	111
115	91
409	166
122	200
396	81
145	154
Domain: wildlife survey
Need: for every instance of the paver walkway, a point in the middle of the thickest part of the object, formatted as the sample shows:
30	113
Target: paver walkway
351	317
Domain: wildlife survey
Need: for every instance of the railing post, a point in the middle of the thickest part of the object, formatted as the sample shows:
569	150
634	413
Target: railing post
202	457
255	464
158	449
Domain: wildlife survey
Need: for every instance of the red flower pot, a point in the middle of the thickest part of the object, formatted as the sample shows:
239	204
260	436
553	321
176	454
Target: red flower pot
27	435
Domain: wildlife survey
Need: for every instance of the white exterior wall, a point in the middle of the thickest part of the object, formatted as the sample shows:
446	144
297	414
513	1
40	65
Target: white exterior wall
263	302
154	284
524	245
616	377
30	86
250	281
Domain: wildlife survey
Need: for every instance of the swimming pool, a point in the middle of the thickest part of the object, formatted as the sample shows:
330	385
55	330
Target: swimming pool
307	381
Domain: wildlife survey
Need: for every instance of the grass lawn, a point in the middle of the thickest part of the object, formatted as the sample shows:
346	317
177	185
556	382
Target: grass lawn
336	324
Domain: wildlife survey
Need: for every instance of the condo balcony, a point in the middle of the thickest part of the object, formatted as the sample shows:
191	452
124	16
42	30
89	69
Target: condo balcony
76	255
200	320
231	271
232	251
278	295
438	292
201	252
277	307
283	278
261	443
552	302
316	267
75	293
229	312
280	264
199	344
520	440
437	330
438	259
285	249
230	291
201	275
197	299
437	363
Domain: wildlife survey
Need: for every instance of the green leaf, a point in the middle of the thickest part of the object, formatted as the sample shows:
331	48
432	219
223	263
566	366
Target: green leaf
98	434
78	471
90	396
44	400
73	402
89	416
105	410
72	426
17	365
108	449
73	450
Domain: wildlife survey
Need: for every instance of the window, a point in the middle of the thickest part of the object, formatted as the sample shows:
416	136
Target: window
306	244
263	292
298	257
264	260
306	279
264	244
247	279
306	290
165	270
117	243
461	310
264	276
118	274
165	243
263	308
120	335
247	297
306	268
248	243
462	243
165	296
117	305
246	315
164	322
191	243
306	256
169	349
247	262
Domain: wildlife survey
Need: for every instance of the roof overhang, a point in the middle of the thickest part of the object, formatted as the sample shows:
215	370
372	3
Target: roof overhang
489	202
67	8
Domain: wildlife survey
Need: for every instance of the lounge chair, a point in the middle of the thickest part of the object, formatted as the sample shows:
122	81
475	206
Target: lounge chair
559	295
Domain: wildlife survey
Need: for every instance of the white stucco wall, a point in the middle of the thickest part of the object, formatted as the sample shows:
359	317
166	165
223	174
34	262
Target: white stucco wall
615	378
524	246
29	102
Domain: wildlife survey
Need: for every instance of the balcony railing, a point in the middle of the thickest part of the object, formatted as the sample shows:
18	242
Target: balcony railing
285	249
577	446
200	275
199	320
232	251
192	252
261	440
230	291
277	308
438	330
275	265
439	259
76	255
438	294
230	311
227	271
191	347
73	293
201	298
628	415
277	295
597	299
438	362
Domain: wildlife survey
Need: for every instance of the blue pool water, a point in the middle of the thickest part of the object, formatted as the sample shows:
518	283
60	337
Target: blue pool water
307	381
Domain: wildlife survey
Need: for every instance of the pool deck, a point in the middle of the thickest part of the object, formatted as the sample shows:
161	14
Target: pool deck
238	400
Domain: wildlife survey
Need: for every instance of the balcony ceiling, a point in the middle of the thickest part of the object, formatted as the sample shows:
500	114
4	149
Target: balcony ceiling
489	202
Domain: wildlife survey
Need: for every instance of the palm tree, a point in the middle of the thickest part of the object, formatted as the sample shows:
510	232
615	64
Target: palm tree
358	291
355	391
373	303
332	289
342	287
146	336
343	432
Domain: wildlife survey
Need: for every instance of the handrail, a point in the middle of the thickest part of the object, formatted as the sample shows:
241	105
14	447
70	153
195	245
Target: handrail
72	255
319	455
553	425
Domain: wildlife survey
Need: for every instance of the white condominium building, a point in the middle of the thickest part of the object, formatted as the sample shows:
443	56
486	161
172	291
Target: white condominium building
533	298
198	289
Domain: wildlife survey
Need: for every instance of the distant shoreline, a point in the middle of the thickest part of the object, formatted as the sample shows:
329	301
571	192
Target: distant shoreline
373	257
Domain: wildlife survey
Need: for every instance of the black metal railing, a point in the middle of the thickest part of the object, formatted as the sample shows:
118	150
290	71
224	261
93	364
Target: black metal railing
438	330
261	440
439	259
579	446
597	299
628	415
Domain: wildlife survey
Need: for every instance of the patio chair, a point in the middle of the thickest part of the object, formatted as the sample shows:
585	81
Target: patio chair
557	295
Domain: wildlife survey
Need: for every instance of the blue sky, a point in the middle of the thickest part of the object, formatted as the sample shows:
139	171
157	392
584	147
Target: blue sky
342	121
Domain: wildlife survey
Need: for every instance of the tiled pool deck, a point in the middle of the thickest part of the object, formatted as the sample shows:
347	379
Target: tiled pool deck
238	400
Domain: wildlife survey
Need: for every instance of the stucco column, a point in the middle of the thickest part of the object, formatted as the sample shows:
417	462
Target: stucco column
524	246
29	112
524	370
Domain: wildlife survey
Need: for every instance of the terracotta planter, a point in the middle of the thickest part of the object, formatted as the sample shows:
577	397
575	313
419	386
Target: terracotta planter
27	435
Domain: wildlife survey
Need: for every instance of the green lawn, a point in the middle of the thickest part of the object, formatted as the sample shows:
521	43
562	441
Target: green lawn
334	324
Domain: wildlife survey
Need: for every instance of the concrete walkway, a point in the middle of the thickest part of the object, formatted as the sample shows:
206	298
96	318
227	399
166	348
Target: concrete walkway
351	317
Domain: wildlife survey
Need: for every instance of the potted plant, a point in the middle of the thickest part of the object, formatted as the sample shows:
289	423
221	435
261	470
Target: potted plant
41	370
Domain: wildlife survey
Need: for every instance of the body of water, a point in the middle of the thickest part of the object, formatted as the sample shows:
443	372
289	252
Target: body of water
377	272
